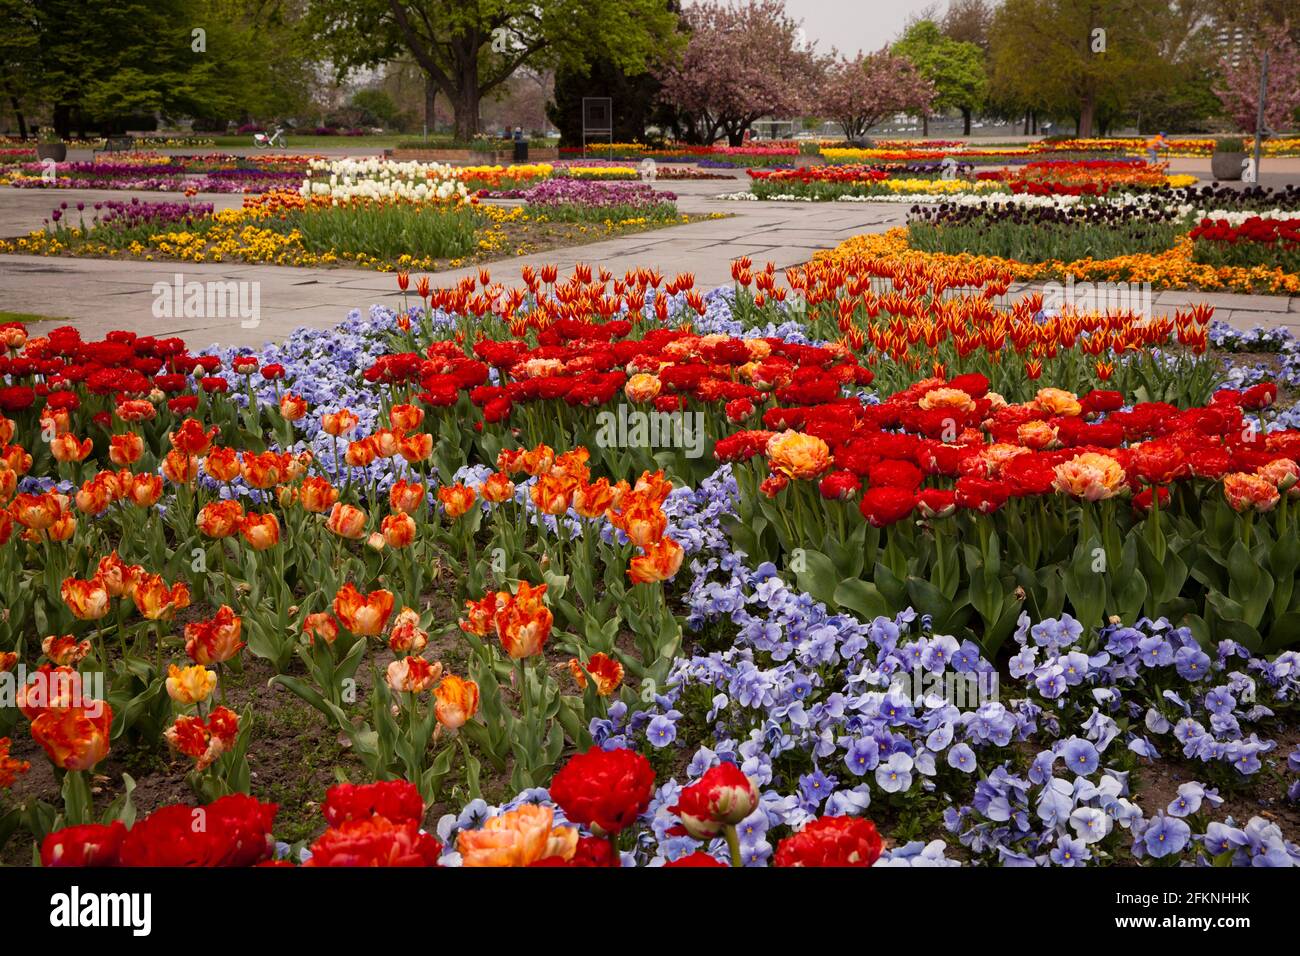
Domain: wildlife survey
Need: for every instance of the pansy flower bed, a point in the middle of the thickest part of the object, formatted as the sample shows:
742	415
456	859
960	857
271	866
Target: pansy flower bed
854	624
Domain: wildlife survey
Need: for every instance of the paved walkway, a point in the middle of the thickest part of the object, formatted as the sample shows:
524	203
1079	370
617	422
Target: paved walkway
101	295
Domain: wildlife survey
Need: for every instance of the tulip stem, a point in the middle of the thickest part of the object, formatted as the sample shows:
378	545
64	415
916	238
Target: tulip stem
733	844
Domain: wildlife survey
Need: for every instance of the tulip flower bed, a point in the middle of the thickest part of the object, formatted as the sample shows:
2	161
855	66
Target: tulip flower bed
1257	241
856	182
209	173
578	200
1087	178
386	225
1028	233
1176	268
410	554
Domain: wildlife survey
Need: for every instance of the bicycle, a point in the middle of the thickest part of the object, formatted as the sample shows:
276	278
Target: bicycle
267	140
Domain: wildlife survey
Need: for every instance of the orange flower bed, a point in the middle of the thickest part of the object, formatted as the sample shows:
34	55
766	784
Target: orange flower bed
1174	269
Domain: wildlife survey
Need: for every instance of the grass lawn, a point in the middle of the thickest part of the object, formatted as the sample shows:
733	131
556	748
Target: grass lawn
26	318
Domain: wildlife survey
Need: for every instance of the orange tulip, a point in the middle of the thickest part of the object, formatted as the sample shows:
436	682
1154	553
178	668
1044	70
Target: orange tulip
146	490
642	521
593	500
338	423
75	737
317	494
659	563
216	639
552	493
96	495
136	410
66	448
480	615
117	577
456	499
365	615
518	838
398	530
55	421
220	519
417	447
361	453
406	636
179	467
191	439
16	459
405	418
264	470
384	442
497	487
407	496
155	600
653	486
87	600
412	675
321	624
524	623
64	527
510	461
36	512
604	670
642	387
222	464
537	461
292	407
457	701
797	456
1090	476
65	650
1246	492
346	521
573	465
260	531
125	449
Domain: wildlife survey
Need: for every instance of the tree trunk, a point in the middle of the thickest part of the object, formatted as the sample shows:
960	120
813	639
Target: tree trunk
18	115
925	125
62	120
1026	132
965	121
1087	115
465	104
430	101
736	137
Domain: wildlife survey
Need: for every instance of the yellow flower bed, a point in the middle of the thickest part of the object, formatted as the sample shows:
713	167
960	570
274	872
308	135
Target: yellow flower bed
602	172
1173	269
939	186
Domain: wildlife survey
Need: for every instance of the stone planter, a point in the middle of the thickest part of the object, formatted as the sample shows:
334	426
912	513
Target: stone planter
55	151
1227	166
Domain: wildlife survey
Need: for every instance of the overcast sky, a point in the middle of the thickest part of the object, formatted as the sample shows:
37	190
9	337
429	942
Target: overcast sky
853	25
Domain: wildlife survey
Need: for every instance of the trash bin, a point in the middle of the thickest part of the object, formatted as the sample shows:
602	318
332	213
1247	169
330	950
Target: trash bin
521	151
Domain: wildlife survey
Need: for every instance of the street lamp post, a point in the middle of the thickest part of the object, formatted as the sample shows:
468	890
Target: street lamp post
1259	110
